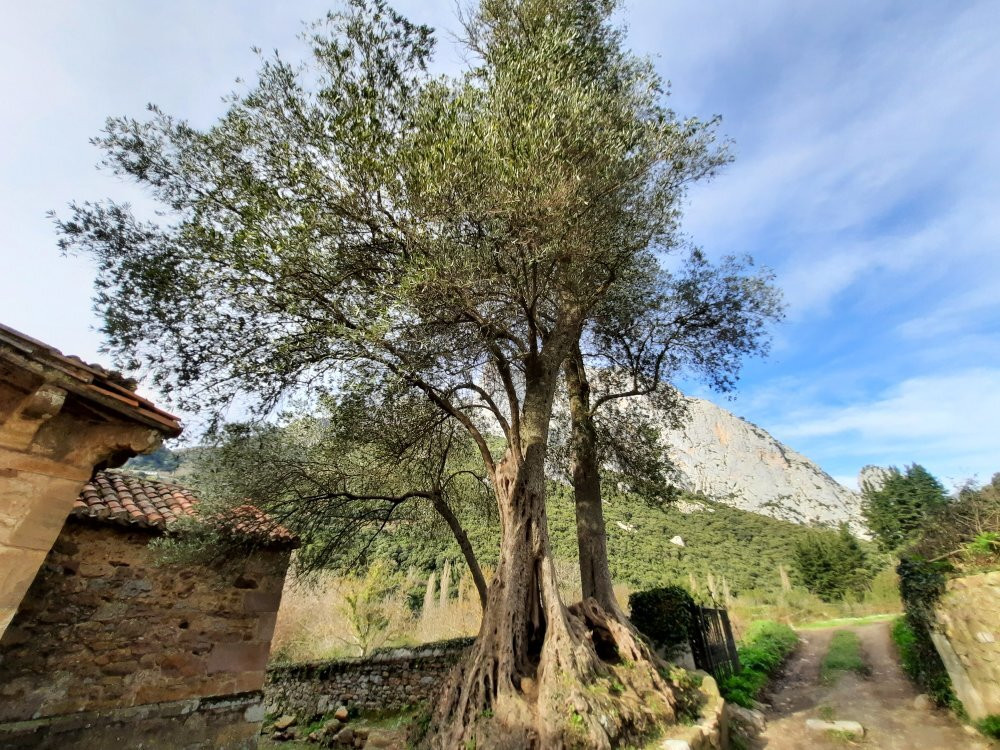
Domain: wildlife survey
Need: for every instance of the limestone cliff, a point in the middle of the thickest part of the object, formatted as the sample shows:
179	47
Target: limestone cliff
737	463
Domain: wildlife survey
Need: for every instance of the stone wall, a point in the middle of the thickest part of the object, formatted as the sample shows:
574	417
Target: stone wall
105	627
968	640
51	438
231	722
390	679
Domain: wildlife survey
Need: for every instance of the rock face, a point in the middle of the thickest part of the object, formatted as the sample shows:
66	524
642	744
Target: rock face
732	461
873	476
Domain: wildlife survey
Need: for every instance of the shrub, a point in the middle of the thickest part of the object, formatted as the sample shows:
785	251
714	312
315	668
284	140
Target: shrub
920	660
664	616
844	655
762	652
990	726
832	564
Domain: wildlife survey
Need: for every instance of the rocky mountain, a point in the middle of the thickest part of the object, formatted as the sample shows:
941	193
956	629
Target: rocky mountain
735	462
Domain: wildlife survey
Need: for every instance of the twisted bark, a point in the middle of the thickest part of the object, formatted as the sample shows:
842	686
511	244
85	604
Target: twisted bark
541	674
591	534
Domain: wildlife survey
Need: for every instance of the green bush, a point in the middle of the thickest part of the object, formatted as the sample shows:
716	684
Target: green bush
920	660
844	655
762	652
990	726
832	564
664	616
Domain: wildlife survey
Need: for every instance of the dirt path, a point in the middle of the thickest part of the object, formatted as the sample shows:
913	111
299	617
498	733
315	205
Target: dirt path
883	702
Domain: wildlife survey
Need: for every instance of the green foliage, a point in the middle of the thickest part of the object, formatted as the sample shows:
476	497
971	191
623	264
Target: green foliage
898	510
957	538
367	609
762	652
843	655
688	698
340	475
990	726
663	615
162	460
745	548
921	661
966	532
832	564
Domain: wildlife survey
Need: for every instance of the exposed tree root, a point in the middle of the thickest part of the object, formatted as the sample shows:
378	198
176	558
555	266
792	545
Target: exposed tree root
596	684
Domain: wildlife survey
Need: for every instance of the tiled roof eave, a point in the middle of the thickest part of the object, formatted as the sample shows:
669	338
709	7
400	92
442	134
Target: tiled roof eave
137	502
89	382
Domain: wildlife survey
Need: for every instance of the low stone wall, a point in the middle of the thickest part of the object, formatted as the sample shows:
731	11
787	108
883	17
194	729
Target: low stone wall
231	722
968	640
390	679
711	731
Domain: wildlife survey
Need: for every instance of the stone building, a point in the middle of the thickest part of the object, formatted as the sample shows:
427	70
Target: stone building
60	418
112	647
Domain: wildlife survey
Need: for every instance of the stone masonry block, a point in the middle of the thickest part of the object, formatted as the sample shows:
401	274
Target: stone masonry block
238	657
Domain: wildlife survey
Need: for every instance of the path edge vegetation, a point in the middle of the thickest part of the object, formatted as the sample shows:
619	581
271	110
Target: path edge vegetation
844	654
763	651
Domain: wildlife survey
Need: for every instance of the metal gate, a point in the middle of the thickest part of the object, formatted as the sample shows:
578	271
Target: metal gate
712	642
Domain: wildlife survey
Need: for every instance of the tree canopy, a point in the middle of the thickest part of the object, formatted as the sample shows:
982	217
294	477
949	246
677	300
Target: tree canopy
832	564
897	510
354	224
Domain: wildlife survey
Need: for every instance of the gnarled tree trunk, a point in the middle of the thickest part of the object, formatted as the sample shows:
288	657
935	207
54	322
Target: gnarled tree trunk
541	674
591	535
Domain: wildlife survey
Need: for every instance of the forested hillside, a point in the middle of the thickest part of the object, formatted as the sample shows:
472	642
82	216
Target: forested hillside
745	548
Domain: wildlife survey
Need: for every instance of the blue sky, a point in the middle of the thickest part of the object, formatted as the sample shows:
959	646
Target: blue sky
867	176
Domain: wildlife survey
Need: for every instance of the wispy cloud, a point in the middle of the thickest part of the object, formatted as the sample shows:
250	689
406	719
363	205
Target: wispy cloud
947	422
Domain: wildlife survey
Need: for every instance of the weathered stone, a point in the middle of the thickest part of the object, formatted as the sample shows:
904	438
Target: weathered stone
384	681
340	714
282	723
922	702
676	745
382	739
966	638
132	644
749	722
734	462
344	737
852	728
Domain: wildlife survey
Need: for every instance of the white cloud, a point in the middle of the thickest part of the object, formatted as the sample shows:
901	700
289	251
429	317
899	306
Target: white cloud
946	422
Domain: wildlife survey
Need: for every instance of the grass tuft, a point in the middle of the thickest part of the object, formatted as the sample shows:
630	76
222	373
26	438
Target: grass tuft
844	655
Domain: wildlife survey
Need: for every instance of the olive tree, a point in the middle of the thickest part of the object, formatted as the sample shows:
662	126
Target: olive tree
353	221
699	321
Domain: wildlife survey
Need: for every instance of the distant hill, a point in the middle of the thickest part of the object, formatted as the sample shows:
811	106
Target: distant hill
747	500
733	461
165	463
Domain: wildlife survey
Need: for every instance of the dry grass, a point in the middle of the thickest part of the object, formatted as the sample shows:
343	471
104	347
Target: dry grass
314	621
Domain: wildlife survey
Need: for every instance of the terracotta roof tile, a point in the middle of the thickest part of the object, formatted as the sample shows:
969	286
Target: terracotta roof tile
133	500
92	382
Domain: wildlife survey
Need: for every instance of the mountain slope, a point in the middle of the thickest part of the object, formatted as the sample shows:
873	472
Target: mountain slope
735	462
